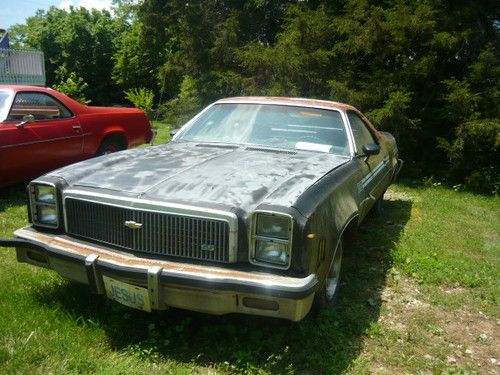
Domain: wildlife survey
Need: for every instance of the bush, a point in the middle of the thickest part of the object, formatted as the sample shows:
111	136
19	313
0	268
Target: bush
73	86
179	110
475	155
141	98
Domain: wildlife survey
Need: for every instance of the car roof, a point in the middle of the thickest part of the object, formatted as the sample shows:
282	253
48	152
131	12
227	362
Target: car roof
287	101
23	88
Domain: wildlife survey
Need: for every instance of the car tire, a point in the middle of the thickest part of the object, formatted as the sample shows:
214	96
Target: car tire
110	145
326	296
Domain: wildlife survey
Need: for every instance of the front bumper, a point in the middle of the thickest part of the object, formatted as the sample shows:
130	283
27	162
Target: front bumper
200	288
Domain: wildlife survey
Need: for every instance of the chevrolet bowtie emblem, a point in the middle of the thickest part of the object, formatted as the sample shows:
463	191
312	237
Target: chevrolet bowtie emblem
133	225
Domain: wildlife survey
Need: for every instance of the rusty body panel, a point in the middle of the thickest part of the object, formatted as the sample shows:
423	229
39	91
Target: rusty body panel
321	193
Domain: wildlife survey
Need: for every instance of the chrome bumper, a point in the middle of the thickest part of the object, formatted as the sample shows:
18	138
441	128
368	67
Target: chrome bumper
208	289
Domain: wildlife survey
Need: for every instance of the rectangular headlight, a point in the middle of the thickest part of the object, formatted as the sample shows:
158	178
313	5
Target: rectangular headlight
44	205
272	252
271	239
273	226
45	193
46	215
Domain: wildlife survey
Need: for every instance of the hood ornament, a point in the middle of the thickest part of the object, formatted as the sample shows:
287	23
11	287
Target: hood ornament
132	224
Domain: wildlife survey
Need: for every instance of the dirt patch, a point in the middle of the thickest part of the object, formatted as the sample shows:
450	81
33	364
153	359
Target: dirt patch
431	338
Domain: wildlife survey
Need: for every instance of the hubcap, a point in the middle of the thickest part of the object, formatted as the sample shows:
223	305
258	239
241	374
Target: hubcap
332	281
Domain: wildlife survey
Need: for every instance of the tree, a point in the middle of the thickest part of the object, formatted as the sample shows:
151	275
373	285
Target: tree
78	41
427	71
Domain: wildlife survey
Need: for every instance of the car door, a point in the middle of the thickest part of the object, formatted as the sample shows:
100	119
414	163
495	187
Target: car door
28	150
374	167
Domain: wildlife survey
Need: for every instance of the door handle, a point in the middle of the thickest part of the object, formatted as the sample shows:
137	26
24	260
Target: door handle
77	127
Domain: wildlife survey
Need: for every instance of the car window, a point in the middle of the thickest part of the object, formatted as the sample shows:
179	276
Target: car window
360	131
280	126
5	98
40	105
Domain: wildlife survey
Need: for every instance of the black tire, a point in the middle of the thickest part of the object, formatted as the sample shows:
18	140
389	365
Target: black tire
327	294
110	145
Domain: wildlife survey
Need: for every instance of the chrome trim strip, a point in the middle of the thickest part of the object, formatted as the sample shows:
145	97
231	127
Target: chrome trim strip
349	133
45	141
372	174
161	207
252	237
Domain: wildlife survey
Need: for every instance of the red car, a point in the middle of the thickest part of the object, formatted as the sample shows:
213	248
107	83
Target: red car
42	129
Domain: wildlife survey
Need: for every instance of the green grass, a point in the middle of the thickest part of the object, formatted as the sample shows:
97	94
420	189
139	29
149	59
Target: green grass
163	132
420	293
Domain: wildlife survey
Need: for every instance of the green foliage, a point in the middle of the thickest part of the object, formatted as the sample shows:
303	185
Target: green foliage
180	109
141	98
73	86
81	41
394	116
419	69
474	154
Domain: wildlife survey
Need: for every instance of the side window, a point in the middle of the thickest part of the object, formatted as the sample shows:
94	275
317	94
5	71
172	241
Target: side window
40	105
360	131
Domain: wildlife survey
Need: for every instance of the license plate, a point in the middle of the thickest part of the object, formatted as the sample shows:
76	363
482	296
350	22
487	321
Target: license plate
126	294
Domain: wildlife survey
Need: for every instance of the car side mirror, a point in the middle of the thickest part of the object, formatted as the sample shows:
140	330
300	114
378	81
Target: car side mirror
371	149
174	132
27	119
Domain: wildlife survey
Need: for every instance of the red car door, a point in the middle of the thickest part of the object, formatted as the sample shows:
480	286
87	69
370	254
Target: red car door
28	150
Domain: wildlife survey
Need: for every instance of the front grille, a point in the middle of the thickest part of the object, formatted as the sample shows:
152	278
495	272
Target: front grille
160	234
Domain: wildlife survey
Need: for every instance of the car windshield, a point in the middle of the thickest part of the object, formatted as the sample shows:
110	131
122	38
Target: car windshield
5	98
269	125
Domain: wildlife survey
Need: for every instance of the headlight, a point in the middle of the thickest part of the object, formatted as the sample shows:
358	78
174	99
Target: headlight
45	193
47	215
272	252
273	226
271	239
44	206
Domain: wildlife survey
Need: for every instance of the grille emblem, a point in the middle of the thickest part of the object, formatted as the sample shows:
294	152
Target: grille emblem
132	224
207	247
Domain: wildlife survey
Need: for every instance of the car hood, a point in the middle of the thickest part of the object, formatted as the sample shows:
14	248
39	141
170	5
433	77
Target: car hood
241	177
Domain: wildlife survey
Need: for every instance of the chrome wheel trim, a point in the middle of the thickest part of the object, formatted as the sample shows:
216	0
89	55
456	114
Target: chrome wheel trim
333	278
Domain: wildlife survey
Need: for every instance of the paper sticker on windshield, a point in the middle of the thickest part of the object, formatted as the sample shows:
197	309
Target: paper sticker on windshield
312	147
311	114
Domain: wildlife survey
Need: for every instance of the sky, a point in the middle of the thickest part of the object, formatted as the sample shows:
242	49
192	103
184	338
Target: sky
16	11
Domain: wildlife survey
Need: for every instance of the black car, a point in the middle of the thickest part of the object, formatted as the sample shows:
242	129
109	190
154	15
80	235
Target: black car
245	210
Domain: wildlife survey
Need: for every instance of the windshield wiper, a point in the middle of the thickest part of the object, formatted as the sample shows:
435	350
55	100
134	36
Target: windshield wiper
217	145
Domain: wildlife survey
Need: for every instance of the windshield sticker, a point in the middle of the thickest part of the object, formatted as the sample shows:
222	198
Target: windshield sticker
312	146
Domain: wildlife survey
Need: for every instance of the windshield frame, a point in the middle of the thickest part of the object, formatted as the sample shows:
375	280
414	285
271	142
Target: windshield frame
190	123
4	111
